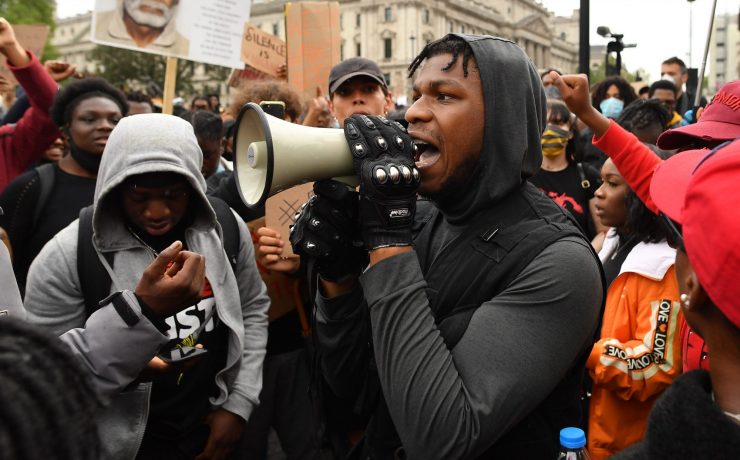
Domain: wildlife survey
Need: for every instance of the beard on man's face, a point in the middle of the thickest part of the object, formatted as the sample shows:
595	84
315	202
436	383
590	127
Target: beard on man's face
146	18
456	185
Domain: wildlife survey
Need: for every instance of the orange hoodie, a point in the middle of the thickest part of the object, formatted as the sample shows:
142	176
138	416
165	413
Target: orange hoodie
639	353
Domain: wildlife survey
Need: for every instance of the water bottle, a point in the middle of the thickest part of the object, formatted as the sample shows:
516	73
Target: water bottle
573	444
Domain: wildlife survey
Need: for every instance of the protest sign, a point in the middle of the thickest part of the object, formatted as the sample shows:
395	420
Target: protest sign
313	41
262	51
280	211
208	32
31	37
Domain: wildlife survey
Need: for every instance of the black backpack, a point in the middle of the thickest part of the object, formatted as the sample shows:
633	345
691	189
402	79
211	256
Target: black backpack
94	279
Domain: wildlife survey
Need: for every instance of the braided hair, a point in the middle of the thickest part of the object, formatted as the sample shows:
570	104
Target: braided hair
48	405
643	113
449	44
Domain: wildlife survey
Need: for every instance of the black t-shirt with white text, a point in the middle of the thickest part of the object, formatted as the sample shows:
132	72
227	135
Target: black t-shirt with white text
179	402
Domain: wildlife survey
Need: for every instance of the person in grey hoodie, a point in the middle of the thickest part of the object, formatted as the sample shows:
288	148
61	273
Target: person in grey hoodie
467	334
149	193
130	318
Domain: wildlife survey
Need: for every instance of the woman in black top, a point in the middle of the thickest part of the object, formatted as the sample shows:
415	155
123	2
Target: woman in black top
44	200
567	182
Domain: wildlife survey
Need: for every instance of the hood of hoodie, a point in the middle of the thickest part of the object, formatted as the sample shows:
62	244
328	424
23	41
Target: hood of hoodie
147	143
515	117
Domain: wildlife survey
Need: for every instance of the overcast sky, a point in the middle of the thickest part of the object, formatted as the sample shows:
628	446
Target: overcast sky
660	28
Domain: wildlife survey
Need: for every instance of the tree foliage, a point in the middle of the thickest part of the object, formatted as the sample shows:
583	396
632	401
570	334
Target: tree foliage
31	12
145	72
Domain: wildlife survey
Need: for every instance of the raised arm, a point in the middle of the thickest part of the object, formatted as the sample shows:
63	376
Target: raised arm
634	160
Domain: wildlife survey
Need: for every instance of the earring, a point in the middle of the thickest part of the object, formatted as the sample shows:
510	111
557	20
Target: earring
685	300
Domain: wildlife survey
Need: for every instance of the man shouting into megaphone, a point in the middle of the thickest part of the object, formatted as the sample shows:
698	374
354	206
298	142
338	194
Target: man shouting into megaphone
466	334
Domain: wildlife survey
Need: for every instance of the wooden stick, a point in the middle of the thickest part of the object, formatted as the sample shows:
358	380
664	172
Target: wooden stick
170	78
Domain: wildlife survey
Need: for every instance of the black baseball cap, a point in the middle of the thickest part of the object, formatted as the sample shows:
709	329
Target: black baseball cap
354	67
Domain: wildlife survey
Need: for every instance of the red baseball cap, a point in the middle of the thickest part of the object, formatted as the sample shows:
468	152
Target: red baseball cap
719	122
698	189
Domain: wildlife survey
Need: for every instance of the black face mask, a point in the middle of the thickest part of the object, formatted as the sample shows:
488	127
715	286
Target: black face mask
88	161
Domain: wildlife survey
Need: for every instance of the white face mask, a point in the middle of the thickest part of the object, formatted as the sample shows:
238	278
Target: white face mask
146	18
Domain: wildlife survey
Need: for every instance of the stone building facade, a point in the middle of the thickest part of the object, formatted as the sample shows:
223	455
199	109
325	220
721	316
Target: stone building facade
393	32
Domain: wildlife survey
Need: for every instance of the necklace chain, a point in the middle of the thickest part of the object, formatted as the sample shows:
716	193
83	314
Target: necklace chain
138	238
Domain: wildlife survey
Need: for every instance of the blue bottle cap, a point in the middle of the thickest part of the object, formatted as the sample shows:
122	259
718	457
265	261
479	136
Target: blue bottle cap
572	438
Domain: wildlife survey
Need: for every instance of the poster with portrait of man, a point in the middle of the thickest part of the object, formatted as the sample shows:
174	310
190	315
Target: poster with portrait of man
202	31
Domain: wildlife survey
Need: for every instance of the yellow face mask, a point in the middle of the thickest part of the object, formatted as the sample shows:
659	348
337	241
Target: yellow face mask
554	141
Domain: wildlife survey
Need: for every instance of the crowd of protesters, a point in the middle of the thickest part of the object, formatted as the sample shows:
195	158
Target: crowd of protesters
525	252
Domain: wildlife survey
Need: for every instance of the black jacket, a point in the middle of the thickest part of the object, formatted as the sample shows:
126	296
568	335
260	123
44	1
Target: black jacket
686	423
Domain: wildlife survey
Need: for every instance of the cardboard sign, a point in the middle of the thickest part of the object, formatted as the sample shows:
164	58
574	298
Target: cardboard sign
32	38
263	51
312	30
280	210
247	73
209	32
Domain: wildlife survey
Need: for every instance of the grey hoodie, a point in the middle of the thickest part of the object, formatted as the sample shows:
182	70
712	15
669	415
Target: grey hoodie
515	112
456	403
144	144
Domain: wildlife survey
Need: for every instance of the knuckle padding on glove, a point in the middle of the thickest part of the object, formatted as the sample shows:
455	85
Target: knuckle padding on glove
325	230
384	161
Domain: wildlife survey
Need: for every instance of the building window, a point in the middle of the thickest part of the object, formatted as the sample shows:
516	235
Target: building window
426	16
358	48
358	20
449	27
341	52
462	29
275	28
388	47
388	14
387	77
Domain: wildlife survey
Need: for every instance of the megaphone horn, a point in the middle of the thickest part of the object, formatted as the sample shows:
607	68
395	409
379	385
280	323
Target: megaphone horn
272	155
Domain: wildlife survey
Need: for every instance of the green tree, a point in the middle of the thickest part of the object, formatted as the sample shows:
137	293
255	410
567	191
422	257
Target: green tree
144	71
32	12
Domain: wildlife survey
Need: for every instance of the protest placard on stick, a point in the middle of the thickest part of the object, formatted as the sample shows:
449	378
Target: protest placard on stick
313	41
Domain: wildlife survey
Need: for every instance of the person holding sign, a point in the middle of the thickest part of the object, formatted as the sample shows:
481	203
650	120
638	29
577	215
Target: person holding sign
146	24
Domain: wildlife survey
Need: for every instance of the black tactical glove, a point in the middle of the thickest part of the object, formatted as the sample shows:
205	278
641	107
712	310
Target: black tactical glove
384	162
326	230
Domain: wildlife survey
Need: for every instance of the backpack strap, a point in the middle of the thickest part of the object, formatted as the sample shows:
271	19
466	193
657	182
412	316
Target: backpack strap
230	229
94	279
46	183
585	183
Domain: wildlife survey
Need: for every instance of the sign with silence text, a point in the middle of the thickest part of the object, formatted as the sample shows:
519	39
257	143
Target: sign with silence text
262	51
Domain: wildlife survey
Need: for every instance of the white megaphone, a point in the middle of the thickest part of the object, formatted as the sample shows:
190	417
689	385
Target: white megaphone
272	155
